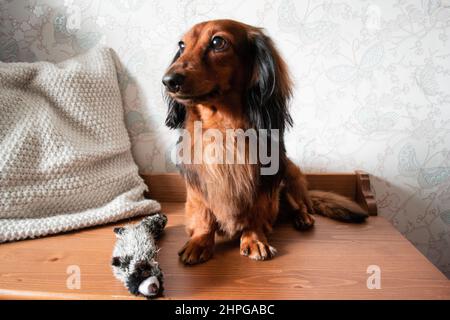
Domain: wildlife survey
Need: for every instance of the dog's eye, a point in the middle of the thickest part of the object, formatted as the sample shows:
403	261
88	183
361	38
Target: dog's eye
181	46
219	43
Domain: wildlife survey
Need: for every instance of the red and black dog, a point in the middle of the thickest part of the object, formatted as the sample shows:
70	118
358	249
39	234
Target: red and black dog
229	75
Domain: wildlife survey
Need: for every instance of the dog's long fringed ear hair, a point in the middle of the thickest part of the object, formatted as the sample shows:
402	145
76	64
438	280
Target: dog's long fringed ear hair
176	112
270	87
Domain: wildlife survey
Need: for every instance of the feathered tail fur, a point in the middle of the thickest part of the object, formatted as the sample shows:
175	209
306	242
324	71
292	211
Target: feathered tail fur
304	201
337	207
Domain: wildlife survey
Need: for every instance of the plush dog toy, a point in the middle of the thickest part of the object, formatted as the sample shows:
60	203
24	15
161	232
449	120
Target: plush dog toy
134	256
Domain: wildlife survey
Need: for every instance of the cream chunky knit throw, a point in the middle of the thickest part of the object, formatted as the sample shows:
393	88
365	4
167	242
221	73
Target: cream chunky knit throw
65	160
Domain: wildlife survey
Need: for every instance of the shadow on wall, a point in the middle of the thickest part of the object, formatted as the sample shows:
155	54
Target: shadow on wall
418	216
140	125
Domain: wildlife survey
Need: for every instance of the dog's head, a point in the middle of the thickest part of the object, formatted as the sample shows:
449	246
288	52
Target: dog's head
229	64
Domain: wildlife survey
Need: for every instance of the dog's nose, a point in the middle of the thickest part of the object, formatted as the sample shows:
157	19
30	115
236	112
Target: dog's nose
173	81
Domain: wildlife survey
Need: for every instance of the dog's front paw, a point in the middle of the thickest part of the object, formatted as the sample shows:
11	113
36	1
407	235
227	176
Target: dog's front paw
195	251
256	249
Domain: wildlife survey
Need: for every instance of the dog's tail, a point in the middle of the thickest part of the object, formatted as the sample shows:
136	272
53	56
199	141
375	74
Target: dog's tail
328	204
337	207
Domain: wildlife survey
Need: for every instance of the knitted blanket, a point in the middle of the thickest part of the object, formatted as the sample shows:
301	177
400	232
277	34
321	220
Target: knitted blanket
65	159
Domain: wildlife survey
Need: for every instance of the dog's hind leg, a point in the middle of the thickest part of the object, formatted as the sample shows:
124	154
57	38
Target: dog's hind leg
296	194
306	202
201	227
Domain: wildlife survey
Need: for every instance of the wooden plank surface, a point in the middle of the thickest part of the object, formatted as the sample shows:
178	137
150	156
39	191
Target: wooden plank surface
328	262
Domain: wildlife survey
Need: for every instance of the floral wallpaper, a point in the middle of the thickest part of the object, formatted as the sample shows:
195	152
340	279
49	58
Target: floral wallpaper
372	85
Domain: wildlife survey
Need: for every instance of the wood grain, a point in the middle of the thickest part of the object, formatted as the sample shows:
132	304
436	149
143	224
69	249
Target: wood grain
166	187
328	262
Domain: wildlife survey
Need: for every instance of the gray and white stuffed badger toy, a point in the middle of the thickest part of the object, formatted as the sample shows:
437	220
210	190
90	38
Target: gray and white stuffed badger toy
134	256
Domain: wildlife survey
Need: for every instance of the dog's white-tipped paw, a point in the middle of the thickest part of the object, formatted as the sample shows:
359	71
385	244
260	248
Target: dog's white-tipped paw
273	251
258	250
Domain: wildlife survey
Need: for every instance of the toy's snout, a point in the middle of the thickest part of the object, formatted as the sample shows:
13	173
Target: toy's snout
149	287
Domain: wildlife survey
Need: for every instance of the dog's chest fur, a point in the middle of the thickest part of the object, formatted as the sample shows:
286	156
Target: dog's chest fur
228	188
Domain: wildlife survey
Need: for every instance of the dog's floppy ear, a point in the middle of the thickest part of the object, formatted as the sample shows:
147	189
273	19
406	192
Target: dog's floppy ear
176	112
270	87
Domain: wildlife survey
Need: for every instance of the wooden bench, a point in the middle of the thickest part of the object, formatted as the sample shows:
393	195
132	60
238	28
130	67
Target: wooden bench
328	262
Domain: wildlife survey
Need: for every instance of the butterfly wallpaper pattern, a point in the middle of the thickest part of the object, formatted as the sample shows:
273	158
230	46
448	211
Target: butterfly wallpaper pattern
372	85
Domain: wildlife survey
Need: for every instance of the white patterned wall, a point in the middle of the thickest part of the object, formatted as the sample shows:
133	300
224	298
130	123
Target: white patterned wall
372	85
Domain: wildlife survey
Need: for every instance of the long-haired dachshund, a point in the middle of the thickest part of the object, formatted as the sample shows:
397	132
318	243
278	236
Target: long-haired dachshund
229	75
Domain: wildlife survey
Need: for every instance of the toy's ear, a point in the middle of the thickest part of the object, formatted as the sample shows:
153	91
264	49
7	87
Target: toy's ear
270	88
115	261
119	231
